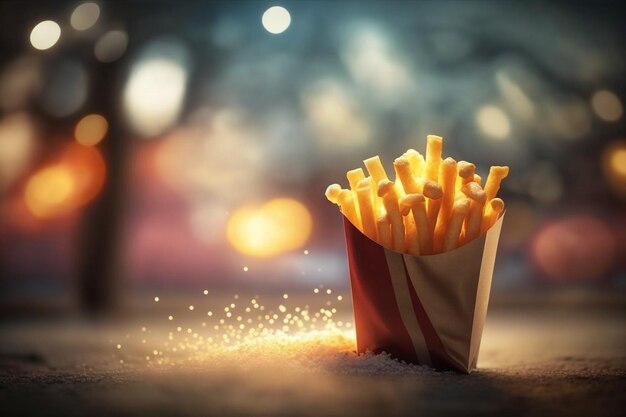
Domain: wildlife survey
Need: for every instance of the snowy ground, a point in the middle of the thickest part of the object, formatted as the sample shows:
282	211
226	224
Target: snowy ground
556	359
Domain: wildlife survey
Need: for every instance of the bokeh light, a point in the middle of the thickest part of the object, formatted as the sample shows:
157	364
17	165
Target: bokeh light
19	82
578	247
607	105
91	129
493	122
614	166
276	227
85	16
74	179
154	93
276	19
45	35
111	46
17	146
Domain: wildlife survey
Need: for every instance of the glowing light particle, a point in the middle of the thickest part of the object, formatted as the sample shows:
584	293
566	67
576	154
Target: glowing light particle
205	292
170	318
328	291
285	296
118	346
245	269
282	309
306	251
191	308
276	19
156	299
339	298
316	290
45	35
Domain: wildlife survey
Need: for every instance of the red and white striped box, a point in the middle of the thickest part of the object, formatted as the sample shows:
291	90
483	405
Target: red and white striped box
426	310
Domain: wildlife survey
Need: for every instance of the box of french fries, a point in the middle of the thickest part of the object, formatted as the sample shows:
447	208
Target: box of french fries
421	252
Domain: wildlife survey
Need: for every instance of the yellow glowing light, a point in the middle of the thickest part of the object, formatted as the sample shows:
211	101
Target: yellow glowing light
45	34
493	121
617	160
278	226
156	299
17	146
85	16
91	129
276	19
48	191
607	105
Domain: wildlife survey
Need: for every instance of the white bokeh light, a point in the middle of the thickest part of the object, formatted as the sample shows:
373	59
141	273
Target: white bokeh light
276	19
493	121
85	16
154	93
45	34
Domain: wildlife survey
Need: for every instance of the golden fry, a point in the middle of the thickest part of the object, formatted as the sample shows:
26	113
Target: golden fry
354	176
410	236
387	191
383	225
416	160
366	208
447	177
473	220
460	209
332	192
404	173
376	169
346	204
433	157
492	212
496	175
416	204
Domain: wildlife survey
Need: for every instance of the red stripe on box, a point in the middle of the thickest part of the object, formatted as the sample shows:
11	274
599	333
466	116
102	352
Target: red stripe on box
379	326
438	355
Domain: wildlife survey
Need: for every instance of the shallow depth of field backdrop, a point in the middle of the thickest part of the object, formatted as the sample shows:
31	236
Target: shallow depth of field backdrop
140	142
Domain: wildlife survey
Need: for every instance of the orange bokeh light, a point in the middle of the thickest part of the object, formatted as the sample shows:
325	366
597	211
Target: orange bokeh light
278	226
70	182
91	129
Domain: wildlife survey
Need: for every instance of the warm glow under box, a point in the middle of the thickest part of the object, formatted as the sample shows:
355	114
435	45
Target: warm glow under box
426	310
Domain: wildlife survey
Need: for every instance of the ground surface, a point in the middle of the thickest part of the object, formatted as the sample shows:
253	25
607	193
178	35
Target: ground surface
553	359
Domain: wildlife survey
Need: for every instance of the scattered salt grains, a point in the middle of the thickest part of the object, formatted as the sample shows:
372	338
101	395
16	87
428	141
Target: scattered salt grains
304	339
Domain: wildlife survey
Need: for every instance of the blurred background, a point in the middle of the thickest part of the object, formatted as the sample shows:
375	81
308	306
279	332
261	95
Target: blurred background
151	146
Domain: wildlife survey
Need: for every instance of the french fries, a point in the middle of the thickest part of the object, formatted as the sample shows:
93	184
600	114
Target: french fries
434	205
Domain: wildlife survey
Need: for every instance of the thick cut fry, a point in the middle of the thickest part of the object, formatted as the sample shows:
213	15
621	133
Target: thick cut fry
366	208
410	236
384	230
416	204
354	176
432	190
387	191
433	157
492	213
477	179
346	203
473	220
496	175
466	172
416	160
376	169
447	178
332	192
404	173
459	212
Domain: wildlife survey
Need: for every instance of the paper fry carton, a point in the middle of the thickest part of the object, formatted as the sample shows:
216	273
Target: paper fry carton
422	309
